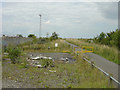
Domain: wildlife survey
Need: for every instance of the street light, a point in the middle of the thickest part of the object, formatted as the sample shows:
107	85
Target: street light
40	26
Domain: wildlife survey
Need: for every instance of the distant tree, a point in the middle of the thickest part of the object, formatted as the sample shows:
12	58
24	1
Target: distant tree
3	35
111	39
118	39
102	36
47	35
31	36
54	35
19	35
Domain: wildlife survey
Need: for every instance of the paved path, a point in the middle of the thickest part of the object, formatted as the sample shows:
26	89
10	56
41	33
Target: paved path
106	65
0	78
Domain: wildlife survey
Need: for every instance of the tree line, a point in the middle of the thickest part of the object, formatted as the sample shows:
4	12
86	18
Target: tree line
54	36
112	38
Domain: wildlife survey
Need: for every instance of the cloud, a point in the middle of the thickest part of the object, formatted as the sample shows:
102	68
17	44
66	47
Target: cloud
108	10
47	22
0	19
68	19
60	1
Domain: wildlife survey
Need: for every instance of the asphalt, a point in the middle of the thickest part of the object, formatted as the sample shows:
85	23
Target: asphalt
0	77
106	65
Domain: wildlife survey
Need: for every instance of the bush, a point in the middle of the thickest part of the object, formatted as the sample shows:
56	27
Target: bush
14	53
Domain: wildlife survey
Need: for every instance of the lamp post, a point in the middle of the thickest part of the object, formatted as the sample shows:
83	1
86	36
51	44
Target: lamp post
40	26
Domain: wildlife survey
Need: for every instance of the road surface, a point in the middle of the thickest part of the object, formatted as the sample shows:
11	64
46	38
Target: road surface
109	67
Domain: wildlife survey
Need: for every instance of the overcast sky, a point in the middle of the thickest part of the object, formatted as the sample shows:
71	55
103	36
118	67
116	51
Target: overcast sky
68	19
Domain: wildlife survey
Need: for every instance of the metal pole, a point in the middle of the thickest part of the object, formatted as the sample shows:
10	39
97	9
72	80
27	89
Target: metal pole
40	26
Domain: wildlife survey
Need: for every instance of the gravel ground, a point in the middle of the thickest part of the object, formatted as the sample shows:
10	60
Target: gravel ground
8	83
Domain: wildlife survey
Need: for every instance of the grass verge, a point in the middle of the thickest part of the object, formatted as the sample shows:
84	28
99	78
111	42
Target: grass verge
110	53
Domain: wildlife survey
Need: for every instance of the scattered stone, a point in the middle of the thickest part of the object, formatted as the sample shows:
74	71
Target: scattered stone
5	53
48	47
52	70
63	59
45	58
39	66
35	58
49	58
45	73
9	77
28	60
66	59
52	66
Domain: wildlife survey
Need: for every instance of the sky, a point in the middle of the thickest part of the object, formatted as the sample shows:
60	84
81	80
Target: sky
68	19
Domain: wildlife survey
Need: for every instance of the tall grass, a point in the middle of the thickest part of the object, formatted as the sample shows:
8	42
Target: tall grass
44	47
110	53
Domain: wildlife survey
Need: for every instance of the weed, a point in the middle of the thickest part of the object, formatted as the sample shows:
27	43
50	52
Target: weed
110	53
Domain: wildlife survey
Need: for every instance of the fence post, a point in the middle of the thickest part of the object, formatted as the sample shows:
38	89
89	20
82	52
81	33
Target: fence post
92	64
110	80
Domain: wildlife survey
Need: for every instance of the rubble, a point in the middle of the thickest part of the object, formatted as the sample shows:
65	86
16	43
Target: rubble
52	70
39	66
5	53
36	60
40	57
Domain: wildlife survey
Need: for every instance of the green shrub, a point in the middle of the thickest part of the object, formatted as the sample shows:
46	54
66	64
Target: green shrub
14	53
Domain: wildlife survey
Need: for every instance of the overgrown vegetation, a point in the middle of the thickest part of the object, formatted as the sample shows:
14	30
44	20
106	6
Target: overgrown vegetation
111	39
31	36
110	53
66	75
54	36
13	53
75	75
47	46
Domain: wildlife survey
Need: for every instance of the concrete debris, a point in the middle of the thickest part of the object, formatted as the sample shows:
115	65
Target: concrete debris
48	47
31	55
64	59
40	57
35	58
39	66
52	70
67	61
5	53
45	73
28	60
49	58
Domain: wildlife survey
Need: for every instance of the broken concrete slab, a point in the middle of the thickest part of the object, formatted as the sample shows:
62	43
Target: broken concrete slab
39	66
52	70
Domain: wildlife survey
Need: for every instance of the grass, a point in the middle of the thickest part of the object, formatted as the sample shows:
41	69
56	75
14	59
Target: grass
78	74
62	47
75	75
110	53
